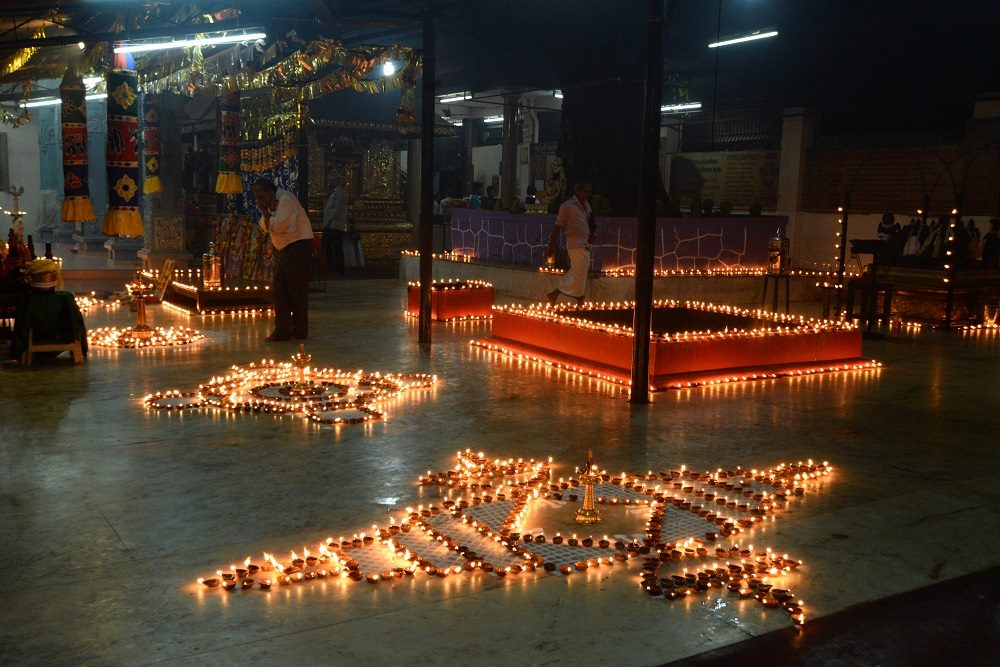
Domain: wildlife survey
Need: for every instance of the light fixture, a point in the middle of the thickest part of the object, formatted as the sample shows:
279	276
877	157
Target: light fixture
745	38
184	43
557	94
677	108
457	97
52	101
81	45
493	119
41	102
388	68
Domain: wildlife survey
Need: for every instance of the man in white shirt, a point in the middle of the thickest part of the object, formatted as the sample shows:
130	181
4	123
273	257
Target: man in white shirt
576	217
334	227
287	223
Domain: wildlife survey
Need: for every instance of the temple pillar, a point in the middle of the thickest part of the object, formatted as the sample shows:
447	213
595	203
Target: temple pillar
797	131
163	214
469	141
508	160
413	188
87	235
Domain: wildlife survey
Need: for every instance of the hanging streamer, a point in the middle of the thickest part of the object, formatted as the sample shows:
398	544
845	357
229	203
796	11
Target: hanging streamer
76	203
228	180
151	144
122	218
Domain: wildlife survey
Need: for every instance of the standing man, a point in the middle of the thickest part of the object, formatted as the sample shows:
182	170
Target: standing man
335	226
284	219
576	217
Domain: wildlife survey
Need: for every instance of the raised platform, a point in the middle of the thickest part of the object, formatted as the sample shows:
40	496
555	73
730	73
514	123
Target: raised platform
692	343
531	283
236	296
923	295
453	300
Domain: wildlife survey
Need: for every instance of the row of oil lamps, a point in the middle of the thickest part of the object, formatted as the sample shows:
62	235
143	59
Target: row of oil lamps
743	571
322	395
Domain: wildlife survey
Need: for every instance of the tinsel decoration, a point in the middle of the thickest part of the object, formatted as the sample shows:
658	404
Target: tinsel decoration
269	126
316	69
77	206
151	144
122	218
228	180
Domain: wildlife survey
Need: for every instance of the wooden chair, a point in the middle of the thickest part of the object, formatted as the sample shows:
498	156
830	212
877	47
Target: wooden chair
73	347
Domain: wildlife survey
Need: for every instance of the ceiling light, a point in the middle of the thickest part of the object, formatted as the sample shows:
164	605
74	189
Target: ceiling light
52	101
81	45
745	38
557	94
493	119
41	102
184	43
456	97
388	68
676	108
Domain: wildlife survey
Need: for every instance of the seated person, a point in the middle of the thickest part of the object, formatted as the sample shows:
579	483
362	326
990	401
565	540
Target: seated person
50	315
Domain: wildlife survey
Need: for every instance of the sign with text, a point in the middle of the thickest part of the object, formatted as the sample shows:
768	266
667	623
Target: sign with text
739	177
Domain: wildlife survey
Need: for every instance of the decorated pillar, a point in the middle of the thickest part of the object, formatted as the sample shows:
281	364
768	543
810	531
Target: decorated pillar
77	206
122	217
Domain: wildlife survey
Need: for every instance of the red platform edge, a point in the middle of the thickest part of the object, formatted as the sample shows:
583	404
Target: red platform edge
448	305
676	364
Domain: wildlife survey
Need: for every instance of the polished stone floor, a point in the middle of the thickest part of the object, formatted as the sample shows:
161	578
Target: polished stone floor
110	512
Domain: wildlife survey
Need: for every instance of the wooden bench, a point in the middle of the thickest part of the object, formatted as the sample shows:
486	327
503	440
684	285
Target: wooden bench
73	347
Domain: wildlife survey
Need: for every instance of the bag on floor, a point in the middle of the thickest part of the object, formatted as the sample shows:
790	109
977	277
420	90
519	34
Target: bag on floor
354	255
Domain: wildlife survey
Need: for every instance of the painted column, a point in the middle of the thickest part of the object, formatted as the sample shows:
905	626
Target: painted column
88	235
163	213
50	227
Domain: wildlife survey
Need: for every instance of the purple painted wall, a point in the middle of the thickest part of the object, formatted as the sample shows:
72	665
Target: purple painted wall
681	243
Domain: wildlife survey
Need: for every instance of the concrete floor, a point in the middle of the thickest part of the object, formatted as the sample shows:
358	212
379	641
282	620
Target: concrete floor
111	512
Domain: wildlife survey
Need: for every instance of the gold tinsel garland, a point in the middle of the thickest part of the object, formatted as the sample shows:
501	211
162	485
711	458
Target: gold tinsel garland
269	126
302	75
20	58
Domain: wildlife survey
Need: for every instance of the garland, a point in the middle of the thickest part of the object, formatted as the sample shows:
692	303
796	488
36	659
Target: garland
269	131
319	68
20	58
228	180
14	120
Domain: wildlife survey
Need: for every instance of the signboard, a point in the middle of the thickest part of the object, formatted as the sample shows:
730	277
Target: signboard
741	178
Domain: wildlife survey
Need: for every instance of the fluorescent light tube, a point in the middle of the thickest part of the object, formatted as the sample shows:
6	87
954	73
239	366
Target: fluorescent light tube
183	43
746	38
687	106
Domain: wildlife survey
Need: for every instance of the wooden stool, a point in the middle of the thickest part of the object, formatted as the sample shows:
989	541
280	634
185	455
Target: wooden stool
777	278
74	348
